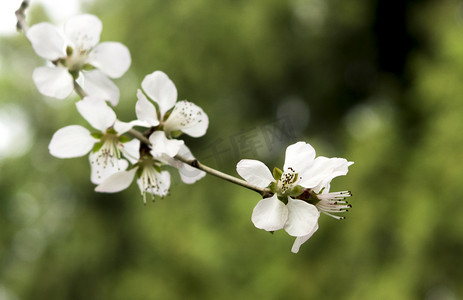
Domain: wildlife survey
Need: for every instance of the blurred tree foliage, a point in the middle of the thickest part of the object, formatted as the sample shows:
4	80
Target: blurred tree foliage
377	82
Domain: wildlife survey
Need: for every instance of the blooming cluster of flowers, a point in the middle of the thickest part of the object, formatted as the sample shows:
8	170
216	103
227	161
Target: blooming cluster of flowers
76	58
77	61
300	191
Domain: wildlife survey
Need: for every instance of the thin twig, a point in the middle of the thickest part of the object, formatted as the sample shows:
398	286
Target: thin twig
138	135
21	25
79	90
196	164
265	192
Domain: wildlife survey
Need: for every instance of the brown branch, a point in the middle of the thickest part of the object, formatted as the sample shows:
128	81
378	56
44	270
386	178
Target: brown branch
79	90
265	192
21	25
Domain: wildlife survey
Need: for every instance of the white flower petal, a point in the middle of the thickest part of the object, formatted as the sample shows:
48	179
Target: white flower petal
117	182
145	110
71	141
164	183
302	217
299	156
47	41
123	127
83	31
270	214
318	173
254	172
160	89
111	57
96	112
102	167
334	167
131	150
160	144
340	166
188	174
160	186
185	152
302	239
53	82
188	118
96	83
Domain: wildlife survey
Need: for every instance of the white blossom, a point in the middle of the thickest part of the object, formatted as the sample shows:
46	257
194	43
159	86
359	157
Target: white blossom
302	172
108	144
150	179
75	53
164	150
157	108
171	116
162	146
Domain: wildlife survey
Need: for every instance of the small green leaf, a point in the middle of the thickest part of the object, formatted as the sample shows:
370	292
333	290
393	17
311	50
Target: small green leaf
111	131
97	135
124	139
273	187
295	177
283	198
277	173
75	74
97	147
139	172
69	51
87	67
296	192
176	133
167	114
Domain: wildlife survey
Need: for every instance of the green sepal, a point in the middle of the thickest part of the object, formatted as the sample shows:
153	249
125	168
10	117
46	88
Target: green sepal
296	192
97	147
157	168
69	51
138	172
88	67
176	133
111	131
167	114
283	198
97	135
295	177
75	74
277	173
124	139
135	165
273	187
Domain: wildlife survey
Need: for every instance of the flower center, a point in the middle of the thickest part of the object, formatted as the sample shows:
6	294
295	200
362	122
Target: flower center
110	148
183	116
150	180
108	155
287	182
75	60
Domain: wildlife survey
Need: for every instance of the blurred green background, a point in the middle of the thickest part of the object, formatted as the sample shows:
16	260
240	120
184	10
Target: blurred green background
378	82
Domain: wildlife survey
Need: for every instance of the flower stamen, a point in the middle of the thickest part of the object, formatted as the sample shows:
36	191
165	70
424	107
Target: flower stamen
334	203
150	180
